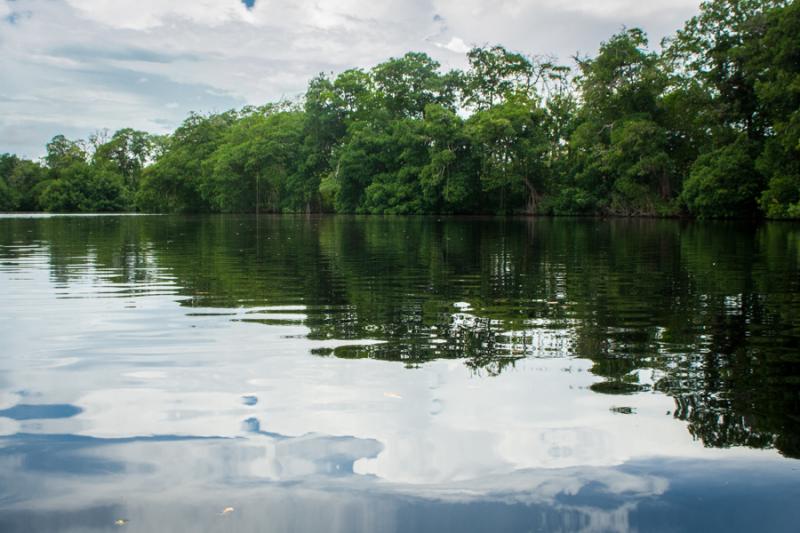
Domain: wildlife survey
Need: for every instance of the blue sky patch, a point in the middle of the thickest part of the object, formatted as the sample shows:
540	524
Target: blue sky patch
249	3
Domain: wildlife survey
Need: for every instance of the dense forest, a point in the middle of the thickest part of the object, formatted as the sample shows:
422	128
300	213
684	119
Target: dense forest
707	126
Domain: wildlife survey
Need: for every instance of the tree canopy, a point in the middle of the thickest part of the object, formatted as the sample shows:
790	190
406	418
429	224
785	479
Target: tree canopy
708	126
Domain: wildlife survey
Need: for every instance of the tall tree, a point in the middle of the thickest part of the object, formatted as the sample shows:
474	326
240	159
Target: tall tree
512	145
406	85
619	152
173	182
777	62
251	168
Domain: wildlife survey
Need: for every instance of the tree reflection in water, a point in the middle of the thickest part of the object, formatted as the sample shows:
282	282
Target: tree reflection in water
707	313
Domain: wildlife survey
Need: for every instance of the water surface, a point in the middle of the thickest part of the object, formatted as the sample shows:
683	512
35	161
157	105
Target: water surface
398	374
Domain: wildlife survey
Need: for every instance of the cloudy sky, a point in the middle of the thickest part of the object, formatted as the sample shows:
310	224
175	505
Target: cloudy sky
76	66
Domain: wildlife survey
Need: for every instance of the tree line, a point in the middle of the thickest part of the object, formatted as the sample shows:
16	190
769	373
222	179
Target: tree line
707	126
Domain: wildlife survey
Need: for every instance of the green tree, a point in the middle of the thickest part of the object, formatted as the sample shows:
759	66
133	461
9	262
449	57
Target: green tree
722	183
26	180
406	85
173	182
494	74
449	179
777	59
638	158
362	157
710	126
324	126
720	59
619	150
8	202
82	188
512	145
252	167
62	152
713	49
395	187
126	153
8	196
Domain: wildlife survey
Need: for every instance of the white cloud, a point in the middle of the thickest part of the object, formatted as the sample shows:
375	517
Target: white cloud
147	14
456	45
617	8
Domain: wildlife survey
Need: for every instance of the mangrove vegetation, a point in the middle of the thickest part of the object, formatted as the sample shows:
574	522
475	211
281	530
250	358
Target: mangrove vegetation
705	125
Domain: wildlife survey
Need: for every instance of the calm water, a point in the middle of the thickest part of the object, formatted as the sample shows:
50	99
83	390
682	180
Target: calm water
368	374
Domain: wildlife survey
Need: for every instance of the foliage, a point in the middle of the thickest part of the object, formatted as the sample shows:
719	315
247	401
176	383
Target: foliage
620	154
779	90
173	183
7	200
721	183
510	141
81	188
21	181
708	127
250	170
126	154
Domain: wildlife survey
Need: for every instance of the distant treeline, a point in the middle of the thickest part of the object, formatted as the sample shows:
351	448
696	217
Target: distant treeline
708	127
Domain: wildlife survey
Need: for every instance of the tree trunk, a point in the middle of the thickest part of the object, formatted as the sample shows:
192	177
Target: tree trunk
666	188
533	197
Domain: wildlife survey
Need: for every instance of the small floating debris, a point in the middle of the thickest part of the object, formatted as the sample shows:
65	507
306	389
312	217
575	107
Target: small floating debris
249	400
393	395
121	521
227	511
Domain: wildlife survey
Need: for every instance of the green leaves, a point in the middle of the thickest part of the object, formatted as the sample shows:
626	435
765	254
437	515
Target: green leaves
722	184
126	153
495	74
406	85
83	188
511	142
624	79
250	169
708	127
621	159
178	180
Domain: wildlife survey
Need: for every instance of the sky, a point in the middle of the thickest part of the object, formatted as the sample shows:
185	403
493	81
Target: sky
75	67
